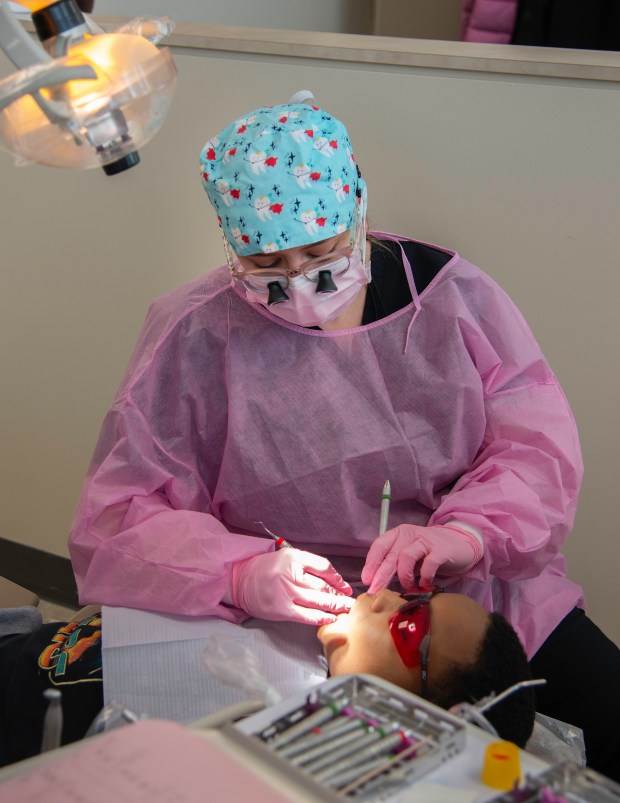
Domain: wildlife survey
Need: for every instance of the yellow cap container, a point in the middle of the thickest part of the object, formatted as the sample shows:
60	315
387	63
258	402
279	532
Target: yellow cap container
502	766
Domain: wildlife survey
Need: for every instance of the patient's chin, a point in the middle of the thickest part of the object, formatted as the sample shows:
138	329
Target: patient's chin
340	626
332	642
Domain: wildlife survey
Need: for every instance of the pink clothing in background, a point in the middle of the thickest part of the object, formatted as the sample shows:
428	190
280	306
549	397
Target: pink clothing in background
228	415
490	21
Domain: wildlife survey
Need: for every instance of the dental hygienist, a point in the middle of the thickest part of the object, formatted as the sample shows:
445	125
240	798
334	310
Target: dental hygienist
287	385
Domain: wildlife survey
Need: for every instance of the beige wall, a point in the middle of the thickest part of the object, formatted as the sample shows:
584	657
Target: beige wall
351	16
424	19
518	173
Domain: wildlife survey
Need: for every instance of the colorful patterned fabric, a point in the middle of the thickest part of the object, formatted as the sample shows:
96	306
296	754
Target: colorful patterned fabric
74	652
281	177
62	655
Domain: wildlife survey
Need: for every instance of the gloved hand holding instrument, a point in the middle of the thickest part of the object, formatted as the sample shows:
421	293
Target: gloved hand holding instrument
411	549
289	584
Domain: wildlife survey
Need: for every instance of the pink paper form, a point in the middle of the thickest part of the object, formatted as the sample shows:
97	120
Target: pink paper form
155	761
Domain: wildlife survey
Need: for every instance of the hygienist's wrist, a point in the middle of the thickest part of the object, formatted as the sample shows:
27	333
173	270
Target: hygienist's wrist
473	537
469	529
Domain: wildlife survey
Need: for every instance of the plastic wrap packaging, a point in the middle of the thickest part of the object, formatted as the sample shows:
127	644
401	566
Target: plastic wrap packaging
152	28
232	662
113	715
553	741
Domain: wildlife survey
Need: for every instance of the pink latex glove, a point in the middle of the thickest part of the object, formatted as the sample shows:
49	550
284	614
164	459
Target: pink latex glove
442	547
289	584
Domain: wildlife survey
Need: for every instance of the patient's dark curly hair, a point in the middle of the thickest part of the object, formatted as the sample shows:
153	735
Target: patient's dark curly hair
501	662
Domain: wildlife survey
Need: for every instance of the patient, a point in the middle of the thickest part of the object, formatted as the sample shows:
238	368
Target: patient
444	647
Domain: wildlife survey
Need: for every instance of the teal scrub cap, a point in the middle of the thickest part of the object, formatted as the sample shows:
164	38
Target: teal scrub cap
282	177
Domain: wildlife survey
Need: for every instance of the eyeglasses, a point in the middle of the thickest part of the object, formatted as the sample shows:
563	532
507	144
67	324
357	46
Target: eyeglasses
322	270
259	279
410	629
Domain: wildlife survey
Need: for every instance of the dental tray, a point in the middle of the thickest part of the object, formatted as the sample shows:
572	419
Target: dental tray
566	782
347	725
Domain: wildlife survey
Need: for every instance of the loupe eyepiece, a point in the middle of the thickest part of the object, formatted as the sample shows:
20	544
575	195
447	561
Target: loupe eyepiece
326	284
276	294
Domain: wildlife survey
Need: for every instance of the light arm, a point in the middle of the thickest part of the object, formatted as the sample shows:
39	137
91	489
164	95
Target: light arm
18	45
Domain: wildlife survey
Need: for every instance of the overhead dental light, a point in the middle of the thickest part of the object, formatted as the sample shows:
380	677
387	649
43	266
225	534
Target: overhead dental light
82	98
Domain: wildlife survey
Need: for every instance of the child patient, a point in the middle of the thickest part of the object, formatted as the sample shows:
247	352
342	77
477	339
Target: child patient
443	647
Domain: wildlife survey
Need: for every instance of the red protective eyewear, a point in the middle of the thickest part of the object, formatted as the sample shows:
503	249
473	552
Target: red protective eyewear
410	629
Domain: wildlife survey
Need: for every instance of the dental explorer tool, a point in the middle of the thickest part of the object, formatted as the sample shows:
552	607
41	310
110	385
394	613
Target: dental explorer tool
280	542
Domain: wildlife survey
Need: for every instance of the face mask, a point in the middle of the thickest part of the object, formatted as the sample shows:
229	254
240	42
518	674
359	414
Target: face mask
306	307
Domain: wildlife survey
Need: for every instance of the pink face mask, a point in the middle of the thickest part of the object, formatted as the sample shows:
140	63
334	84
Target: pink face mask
304	306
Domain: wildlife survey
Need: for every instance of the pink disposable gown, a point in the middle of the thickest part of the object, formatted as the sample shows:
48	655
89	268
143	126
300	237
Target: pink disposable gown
490	21
227	415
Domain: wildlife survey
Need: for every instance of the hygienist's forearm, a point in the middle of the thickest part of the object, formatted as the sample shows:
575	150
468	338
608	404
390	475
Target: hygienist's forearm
521	493
174	562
